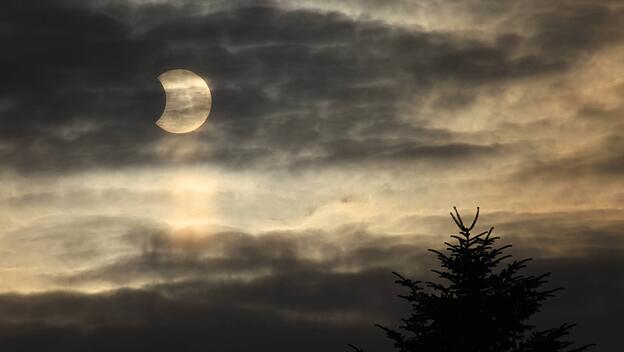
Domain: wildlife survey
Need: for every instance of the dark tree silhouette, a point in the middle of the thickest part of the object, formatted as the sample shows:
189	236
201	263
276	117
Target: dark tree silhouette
481	304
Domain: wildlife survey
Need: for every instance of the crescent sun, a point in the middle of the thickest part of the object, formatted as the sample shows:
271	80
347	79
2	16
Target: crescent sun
188	101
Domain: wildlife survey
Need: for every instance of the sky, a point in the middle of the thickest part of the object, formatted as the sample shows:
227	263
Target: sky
340	136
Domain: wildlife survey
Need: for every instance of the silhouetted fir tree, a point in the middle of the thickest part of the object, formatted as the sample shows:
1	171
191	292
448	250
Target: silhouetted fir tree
482	304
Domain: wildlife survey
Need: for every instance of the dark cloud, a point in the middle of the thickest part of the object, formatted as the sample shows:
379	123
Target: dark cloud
188	317
80	89
602	160
574	28
322	291
189	254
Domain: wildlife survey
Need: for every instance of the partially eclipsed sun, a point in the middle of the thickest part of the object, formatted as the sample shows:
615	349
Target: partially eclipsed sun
188	101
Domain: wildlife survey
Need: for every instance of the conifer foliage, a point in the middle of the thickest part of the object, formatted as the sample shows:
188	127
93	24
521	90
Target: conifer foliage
482	303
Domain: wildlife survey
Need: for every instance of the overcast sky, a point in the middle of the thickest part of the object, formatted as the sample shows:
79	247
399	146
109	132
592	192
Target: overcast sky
340	136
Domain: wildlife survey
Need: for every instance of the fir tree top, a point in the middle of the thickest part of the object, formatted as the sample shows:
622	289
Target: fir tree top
480	304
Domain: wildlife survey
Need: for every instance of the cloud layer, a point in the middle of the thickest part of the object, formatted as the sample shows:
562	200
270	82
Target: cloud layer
340	133
228	290
292	86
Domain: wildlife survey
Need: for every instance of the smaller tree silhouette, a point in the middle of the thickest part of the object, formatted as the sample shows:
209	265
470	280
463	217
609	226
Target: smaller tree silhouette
481	305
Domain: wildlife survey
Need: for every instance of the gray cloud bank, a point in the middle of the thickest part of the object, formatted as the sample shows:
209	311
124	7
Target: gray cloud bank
291	87
311	290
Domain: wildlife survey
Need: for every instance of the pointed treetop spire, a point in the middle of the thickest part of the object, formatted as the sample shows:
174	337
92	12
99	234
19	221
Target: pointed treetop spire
460	223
